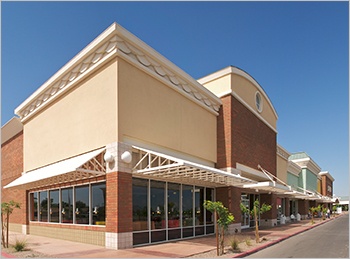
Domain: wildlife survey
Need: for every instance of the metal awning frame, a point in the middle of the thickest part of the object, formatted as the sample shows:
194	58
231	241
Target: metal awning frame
81	167
160	166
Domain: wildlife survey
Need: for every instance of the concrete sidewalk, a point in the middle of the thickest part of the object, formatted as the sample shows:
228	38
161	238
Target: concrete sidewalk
178	249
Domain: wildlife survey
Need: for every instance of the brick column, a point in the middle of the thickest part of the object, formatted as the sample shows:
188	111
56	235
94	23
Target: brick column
303	208
118	199
231	199
269	218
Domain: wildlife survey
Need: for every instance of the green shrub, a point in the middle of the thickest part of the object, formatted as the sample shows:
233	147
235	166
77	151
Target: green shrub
248	242
20	245
234	244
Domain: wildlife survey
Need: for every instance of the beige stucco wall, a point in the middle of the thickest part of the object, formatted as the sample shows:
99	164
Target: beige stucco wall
152	112
282	167
81	120
219	86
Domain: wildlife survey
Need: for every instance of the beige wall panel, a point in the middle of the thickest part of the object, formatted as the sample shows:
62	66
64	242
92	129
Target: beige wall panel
246	90
220	85
282	165
81	120
152	112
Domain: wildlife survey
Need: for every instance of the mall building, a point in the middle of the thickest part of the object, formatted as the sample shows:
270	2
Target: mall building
121	147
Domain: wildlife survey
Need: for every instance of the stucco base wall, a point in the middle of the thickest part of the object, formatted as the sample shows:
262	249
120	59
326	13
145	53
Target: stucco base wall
76	235
268	222
13	227
234	228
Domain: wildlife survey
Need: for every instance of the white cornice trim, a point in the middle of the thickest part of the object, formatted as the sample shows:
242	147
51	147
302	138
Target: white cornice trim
116	40
240	72
293	168
282	152
234	94
327	174
309	164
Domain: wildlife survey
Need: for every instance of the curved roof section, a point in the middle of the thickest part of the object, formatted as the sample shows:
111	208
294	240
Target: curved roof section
235	81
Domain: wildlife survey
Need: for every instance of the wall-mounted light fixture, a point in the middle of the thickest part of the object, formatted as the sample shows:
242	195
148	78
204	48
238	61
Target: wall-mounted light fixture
108	157
126	157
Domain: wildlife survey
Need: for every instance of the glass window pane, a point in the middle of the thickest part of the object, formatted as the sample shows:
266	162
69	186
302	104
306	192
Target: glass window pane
67	205
34	206
99	204
173	205
187	205
210	197
82	205
139	204
140	238
199	209
54	206
157	205
43	206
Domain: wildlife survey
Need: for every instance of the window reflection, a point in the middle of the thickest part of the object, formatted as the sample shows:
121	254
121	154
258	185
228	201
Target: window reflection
67	205
139	204
54	206
187	205
173	205
82	205
199	209
98	204
34	206
43	206
157	205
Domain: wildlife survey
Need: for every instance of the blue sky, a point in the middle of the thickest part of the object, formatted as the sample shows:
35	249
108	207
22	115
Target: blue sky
297	51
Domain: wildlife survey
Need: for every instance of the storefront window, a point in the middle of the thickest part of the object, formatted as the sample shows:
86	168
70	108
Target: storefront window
43	206
157	205
187	205
98	204
67	205
139	204
173	205
82	205
54	206
34	206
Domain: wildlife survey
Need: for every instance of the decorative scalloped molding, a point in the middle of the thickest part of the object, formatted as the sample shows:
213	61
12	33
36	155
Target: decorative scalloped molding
113	41
282	152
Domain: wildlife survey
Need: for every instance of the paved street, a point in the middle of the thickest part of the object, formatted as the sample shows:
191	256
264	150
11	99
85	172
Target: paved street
329	240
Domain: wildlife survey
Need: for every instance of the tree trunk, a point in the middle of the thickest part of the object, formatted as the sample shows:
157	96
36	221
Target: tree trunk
257	238
217	232
222	240
7	229
3	230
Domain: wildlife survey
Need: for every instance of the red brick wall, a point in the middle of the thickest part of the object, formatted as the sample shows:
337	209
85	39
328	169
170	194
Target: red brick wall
325	183
303	207
231	199
244	138
119	202
11	169
269	199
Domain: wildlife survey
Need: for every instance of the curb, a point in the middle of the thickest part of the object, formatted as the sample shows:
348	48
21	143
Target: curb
6	255
244	254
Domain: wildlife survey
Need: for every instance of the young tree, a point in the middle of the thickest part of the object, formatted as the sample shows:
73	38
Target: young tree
6	210
255	212
313	210
223	218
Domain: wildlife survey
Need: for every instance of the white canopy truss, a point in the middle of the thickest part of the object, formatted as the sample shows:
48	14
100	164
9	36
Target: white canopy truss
155	165
88	165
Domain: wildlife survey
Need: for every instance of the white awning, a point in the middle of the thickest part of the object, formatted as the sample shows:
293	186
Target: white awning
155	165
75	168
272	187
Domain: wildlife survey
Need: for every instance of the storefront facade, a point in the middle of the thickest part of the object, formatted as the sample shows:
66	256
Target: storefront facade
120	148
